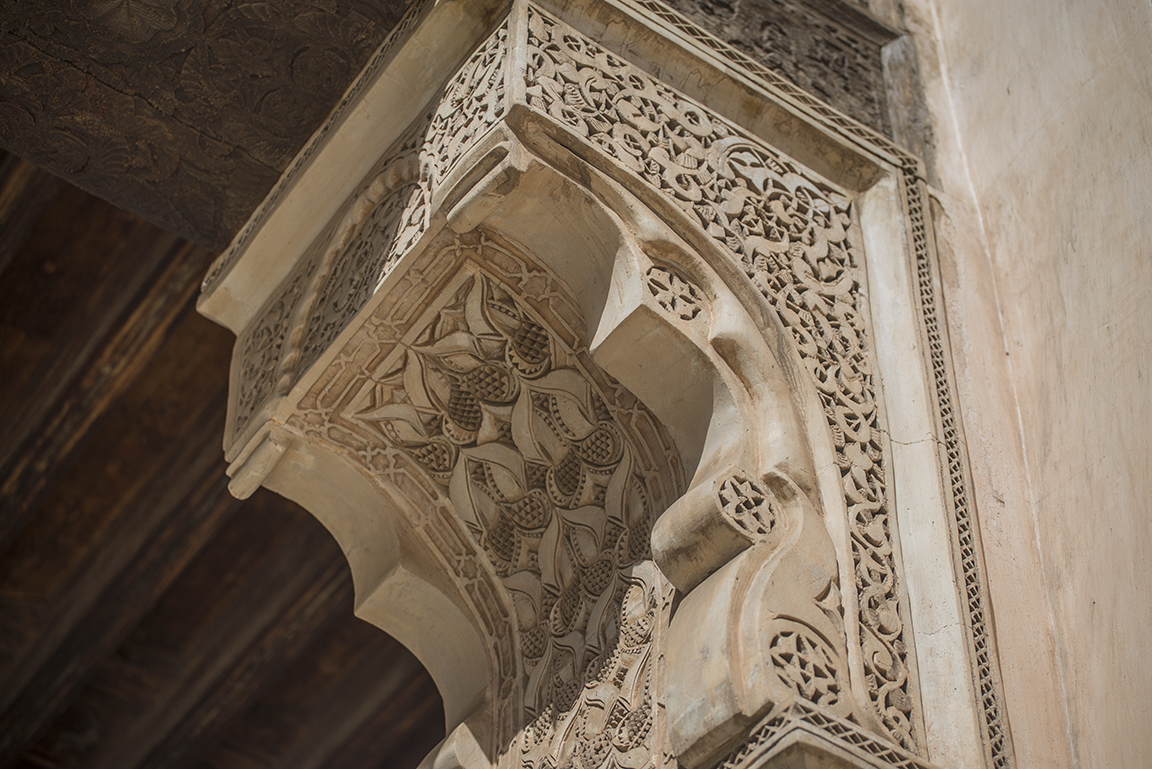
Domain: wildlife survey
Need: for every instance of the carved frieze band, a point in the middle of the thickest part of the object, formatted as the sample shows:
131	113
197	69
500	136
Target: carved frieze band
792	236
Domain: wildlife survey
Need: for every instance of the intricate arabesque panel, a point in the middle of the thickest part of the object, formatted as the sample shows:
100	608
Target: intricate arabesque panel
387	217
324	414
262	347
837	56
494	409
985	673
791	234
388	227
555	472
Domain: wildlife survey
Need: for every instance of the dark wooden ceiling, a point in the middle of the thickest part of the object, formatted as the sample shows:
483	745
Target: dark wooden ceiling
147	618
183	111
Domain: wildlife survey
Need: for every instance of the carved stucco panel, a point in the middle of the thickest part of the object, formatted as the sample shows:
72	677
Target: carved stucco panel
383	221
793	236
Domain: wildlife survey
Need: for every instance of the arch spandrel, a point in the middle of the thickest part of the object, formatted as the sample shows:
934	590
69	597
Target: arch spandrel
605	357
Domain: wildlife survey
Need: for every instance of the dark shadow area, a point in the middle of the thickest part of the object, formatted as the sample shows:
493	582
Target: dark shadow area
147	618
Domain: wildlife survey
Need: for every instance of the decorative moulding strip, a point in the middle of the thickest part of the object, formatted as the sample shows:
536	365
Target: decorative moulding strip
798	715
965	536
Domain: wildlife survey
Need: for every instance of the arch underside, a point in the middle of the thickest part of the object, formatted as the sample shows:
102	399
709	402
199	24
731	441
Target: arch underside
489	401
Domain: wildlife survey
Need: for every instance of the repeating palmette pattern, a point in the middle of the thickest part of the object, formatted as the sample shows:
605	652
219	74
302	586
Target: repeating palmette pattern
490	404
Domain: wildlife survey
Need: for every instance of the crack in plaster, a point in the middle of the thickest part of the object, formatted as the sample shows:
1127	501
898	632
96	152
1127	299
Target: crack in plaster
952	118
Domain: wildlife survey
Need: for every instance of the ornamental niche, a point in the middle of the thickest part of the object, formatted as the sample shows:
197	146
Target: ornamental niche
578	367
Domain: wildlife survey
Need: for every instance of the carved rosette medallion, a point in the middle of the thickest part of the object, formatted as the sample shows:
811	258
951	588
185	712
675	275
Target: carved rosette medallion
674	293
749	506
807	663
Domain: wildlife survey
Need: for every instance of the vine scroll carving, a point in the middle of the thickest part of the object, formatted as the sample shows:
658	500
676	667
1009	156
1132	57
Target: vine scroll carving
555	472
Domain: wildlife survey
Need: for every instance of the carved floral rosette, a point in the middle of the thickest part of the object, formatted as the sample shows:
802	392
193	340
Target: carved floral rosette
448	361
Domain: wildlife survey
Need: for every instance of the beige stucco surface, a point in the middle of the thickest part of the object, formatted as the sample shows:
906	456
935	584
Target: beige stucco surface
1044	117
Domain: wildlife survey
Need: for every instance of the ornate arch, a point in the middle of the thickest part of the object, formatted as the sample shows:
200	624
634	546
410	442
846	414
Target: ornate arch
594	364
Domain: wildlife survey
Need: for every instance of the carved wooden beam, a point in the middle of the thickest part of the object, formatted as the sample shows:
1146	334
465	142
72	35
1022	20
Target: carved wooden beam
183	114
834	49
572	338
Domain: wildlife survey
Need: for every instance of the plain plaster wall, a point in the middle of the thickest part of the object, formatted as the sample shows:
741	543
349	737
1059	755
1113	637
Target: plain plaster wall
1043	116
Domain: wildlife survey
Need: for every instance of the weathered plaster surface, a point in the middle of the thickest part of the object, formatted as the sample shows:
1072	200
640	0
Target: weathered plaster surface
1052	104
